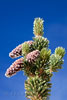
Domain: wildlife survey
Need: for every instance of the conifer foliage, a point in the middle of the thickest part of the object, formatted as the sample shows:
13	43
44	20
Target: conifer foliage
38	63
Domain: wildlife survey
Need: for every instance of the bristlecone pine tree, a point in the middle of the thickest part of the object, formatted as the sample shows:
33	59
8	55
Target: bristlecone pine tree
37	63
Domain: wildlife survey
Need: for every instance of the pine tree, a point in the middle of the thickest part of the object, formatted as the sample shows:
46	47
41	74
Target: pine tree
38	63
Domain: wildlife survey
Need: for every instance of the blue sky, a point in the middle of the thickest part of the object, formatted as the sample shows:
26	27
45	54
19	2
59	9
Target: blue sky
16	26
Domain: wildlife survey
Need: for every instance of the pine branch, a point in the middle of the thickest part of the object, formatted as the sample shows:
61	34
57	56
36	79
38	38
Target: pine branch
38	63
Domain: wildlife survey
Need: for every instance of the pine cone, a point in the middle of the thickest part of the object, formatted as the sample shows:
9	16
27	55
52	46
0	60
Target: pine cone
15	67
18	50
32	56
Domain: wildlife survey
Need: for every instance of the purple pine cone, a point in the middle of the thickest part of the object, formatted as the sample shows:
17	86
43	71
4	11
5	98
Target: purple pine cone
15	67
18	50
32	56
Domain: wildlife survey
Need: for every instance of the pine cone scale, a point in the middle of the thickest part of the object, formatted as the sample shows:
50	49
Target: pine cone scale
18	50
15	67
32	56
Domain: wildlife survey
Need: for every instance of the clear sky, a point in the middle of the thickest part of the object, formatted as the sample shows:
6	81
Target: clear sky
16	26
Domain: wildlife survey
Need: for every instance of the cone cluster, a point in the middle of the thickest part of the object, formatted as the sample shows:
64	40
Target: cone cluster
37	62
